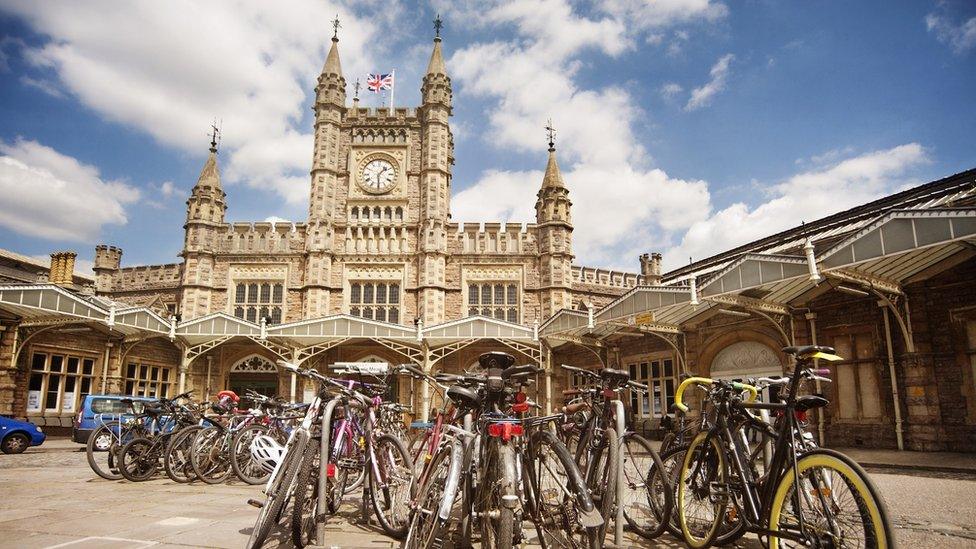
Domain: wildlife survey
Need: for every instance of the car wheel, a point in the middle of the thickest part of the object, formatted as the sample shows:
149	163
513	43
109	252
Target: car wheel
103	442
14	444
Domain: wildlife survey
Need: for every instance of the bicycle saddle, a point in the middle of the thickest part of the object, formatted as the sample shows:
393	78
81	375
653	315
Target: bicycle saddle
609	374
807	350
496	359
464	397
808	402
520	371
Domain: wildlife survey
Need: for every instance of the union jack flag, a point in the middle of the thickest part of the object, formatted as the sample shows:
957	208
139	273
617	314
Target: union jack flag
377	82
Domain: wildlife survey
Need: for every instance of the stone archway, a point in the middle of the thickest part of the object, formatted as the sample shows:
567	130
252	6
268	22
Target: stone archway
254	372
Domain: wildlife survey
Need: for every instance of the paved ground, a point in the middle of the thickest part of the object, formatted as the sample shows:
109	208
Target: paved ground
50	498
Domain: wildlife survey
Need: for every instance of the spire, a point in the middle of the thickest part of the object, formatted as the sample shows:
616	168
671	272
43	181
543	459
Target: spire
436	65
552	178
332	65
210	175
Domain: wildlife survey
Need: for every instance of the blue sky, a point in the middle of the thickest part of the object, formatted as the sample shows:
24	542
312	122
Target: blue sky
684	126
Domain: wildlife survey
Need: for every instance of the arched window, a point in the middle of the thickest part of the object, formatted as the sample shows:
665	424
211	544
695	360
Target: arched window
399	214
354	214
494	300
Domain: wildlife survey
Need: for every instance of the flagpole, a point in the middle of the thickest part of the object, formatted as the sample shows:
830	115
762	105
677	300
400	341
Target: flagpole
392	88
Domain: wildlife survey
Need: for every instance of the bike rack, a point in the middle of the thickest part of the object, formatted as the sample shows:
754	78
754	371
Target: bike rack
324	457
618	521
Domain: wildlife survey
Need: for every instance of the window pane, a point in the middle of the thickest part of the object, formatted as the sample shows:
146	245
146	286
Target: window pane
472	294
143	371
512	294
264	313
381	293
239	312
265	292
130	388
381	314
486	294
354	311
472	311
278	294
512	315
656	369
276	315
57	361
394	316
355	293
130	371
486	312
155	373
368	312
643	370
87	366
499	294
367	293
51	399
252	293
394	296
166	374
69	384
35	382
252	314
668	367
240	294
500	313
37	362
85	388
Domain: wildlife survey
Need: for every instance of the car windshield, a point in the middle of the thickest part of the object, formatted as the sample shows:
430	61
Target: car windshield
113	406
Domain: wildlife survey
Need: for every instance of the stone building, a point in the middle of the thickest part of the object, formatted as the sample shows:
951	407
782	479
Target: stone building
380	272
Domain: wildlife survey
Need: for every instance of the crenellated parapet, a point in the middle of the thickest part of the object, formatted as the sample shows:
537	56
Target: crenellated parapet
147	277
596	276
262	238
379	115
492	238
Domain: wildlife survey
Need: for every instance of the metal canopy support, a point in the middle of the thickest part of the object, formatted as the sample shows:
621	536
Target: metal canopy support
531	351
443	352
414	354
756	305
197	350
306	353
283	352
866	280
889	292
578	340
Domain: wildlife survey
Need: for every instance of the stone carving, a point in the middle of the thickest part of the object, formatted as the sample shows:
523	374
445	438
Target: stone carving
254	364
746	358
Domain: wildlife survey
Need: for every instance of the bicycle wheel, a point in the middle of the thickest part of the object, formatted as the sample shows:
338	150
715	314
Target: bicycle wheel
427	529
838	504
602	478
138	460
671	462
243	466
700	509
391	485
305	506
554	489
176	462
498	520
642	469
337	474
103	446
209	456
278	490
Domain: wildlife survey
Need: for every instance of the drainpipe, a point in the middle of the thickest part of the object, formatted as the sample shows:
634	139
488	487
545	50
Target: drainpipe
108	351
894	380
812	319
209	386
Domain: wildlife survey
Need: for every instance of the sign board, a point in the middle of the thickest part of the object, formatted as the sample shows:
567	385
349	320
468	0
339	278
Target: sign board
68	402
308	395
643	319
33	401
372	368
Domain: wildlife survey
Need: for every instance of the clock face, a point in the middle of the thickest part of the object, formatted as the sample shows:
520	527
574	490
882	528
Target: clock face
379	176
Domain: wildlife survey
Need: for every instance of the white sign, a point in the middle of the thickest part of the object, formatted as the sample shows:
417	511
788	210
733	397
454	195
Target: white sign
33	401
308	395
68	402
373	368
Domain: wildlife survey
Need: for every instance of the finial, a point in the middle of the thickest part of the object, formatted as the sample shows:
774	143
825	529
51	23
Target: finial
551	132
335	28
214	136
438	24
355	87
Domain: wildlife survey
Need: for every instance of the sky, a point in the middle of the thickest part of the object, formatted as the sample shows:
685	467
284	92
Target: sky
685	127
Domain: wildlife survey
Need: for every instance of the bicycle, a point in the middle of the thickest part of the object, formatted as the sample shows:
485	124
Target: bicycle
800	497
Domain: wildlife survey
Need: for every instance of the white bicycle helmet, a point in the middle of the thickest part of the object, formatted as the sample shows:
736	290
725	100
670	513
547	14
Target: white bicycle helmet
266	452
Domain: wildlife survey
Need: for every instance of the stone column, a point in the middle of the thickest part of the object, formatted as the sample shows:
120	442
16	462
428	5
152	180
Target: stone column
8	370
924	412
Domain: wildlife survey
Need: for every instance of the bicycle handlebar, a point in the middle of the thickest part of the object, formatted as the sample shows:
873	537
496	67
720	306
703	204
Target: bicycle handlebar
752	390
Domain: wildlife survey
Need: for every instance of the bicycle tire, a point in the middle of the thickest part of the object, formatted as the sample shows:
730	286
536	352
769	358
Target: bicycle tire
639	479
499	481
402	475
110	470
205	455
136	460
717	467
603	478
672	460
305	505
240	448
180	469
558	515
871	506
278	493
426	527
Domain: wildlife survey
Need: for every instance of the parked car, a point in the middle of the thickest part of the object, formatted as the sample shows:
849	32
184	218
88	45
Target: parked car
96	409
16	436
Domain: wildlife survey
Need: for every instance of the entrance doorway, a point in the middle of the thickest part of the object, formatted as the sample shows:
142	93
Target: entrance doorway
255	373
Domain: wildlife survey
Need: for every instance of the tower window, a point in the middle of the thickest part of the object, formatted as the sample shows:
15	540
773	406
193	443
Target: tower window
498	300
375	300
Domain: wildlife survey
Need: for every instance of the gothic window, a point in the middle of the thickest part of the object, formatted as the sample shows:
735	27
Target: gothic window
499	300
59	383
399	213
254	301
355	213
365	214
388	213
375	300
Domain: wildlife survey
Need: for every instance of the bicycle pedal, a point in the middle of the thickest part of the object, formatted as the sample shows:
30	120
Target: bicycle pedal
255	503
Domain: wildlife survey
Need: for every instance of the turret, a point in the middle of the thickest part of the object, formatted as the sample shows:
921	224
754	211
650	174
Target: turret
204	218
650	268
555	236
108	259
207	202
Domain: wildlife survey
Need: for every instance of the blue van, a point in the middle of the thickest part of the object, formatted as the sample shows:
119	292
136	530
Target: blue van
98	409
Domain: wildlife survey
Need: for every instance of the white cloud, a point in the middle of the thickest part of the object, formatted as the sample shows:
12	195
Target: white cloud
646	15
169	68
618	196
670	90
702	96
804	197
167	189
50	195
43	85
961	38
